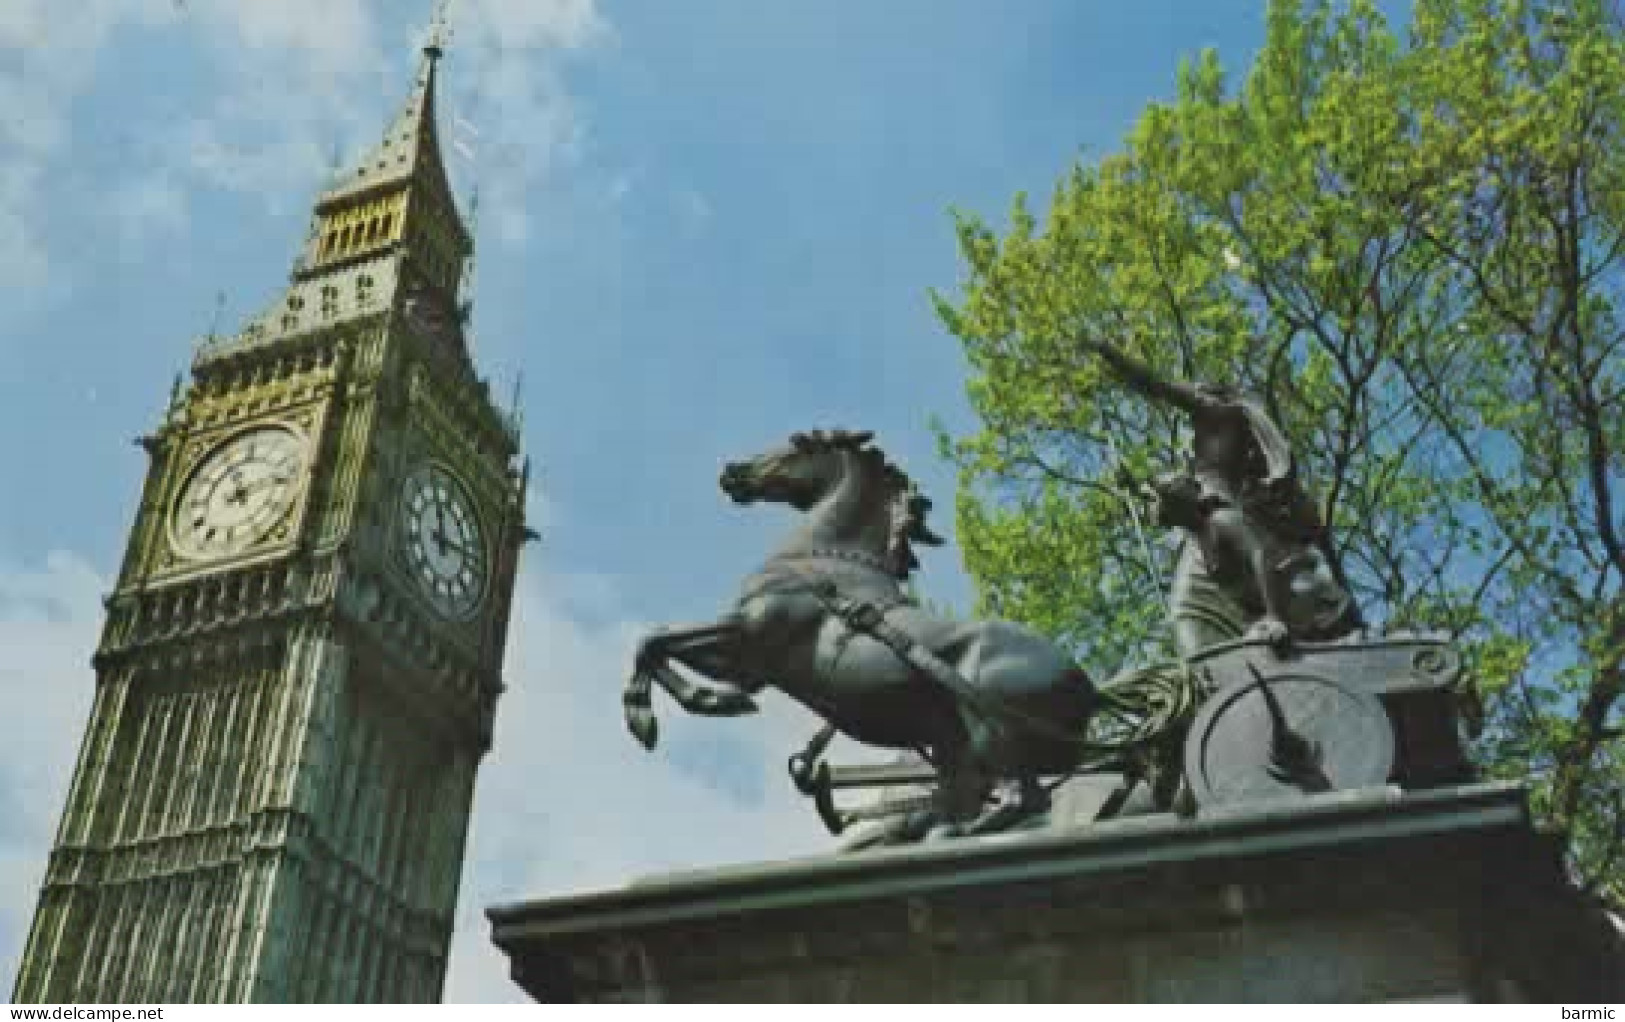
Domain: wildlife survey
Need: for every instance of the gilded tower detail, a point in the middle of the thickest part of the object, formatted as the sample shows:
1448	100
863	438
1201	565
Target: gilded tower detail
302	655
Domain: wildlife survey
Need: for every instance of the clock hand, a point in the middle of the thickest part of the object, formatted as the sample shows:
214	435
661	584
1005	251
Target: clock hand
242	491
439	533
445	542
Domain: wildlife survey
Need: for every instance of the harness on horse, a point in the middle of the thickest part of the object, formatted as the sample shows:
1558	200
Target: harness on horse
866	618
869	617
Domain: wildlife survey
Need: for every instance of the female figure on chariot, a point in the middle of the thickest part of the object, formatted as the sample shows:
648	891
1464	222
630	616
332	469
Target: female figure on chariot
1261	564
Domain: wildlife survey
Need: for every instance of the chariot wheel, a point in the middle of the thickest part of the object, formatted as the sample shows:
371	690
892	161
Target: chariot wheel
1287	736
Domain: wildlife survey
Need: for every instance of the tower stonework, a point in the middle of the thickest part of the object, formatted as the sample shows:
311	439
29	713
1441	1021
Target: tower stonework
302	655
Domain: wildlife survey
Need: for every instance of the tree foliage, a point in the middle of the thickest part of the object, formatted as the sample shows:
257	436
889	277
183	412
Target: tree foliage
1411	244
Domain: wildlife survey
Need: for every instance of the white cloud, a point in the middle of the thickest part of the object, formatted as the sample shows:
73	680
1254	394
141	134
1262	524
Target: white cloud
298	79
311	79
506	82
51	52
537	24
284	87
566	800
329	37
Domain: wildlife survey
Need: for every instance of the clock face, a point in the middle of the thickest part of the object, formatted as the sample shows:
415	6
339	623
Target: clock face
238	493
444	545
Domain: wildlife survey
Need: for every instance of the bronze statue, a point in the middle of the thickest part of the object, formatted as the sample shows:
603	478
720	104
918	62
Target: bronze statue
1258	563
997	713
992	705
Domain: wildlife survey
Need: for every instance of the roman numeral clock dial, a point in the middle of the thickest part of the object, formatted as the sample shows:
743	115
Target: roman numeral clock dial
444	543
238	493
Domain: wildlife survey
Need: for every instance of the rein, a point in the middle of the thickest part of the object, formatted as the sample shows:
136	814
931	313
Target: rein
868	617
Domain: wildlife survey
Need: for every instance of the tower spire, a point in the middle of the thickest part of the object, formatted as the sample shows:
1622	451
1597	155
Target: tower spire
397	198
409	148
439	31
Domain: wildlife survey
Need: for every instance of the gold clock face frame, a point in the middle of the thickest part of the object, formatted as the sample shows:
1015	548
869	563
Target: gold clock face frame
238	493
444	542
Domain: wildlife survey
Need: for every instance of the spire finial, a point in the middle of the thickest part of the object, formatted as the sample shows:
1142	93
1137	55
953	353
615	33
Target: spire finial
439	31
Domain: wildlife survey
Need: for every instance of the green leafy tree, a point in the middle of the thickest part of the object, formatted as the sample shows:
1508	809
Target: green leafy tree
1411	245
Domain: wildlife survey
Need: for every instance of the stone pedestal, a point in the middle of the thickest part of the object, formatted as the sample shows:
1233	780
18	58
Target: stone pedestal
1352	896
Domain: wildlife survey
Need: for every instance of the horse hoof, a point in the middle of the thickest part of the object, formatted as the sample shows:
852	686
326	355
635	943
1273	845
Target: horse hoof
1016	806
640	720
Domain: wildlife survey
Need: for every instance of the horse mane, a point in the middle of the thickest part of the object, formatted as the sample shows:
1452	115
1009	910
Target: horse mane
909	507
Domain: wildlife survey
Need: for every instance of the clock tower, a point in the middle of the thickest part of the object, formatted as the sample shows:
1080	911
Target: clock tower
302	655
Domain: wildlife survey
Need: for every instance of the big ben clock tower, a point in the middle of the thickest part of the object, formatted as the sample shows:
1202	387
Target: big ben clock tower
302	656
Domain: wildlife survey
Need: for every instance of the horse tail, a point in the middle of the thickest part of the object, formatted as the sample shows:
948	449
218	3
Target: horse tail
1146	703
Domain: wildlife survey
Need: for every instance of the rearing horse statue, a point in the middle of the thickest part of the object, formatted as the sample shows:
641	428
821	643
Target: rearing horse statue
992	705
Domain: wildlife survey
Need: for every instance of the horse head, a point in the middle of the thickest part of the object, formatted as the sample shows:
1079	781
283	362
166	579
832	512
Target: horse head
799	473
862	495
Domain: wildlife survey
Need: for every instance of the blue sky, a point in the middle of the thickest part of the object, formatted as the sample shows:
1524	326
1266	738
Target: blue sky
703	226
